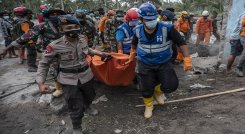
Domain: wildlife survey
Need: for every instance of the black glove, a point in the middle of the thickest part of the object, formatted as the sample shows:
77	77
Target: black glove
105	57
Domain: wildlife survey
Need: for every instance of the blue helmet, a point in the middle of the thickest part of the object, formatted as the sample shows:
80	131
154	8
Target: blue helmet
168	14
148	11
68	19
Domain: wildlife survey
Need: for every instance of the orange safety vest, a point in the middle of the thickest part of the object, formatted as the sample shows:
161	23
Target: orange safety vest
102	23
243	27
203	26
183	25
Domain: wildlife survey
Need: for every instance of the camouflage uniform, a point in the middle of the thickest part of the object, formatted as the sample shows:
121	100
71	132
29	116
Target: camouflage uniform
110	34
89	30
43	34
31	50
46	32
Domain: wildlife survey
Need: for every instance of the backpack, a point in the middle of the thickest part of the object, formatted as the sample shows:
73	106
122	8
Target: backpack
16	32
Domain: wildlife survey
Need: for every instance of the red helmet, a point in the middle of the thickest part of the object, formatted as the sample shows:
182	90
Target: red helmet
111	12
42	7
132	14
20	10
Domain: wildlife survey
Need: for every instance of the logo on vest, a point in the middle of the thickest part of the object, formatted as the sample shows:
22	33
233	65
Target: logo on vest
159	38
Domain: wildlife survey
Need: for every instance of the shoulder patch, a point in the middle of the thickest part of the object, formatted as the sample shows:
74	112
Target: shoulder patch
49	49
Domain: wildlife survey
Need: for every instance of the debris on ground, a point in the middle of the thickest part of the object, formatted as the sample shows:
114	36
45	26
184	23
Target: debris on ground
118	131
195	86
102	98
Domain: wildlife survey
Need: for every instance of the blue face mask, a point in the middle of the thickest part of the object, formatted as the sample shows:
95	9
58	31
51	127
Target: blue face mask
119	18
151	24
6	17
54	20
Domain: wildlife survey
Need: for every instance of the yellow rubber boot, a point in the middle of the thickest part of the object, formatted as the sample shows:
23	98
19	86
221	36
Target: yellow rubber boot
58	92
148	107
158	94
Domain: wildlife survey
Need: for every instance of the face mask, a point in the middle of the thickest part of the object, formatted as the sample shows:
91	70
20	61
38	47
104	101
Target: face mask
54	20
72	34
151	24
6	17
82	22
205	17
186	17
119	18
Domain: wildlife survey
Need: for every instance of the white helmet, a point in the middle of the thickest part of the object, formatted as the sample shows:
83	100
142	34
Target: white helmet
205	13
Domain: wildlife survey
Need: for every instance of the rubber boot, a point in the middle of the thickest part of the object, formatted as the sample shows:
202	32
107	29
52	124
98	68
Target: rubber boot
148	107
58	92
158	94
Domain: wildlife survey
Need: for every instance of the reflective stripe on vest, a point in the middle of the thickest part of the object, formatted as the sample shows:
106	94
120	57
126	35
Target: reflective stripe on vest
128	39
155	51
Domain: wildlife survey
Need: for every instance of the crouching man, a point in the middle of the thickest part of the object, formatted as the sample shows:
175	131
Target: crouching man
75	75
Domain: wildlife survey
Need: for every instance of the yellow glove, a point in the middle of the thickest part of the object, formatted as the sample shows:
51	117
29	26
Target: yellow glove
187	63
120	51
131	56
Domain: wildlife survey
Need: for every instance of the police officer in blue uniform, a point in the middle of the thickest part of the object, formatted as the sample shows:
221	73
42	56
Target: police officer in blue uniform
152	40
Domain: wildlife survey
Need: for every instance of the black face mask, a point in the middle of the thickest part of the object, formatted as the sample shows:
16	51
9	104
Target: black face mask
72	34
82	22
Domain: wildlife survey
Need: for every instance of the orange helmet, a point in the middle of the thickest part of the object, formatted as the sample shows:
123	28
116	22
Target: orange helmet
111	12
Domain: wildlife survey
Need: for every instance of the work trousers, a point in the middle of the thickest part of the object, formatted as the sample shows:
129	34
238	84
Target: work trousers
78	98
149	76
241	61
216	35
205	36
31	56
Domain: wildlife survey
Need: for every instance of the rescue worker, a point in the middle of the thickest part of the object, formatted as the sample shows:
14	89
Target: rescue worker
151	40
119	18
75	75
203	28
42	9
240	30
43	33
191	22
183	28
87	28
22	24
174	19
167	17
215	27
101	12
183	24
5	28
159	11
124	32
109	15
